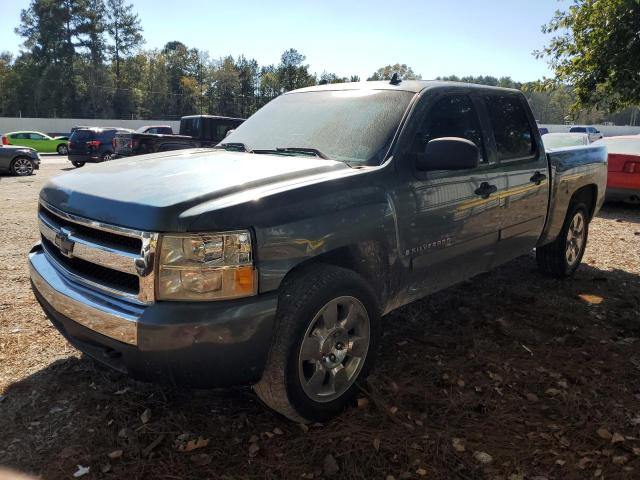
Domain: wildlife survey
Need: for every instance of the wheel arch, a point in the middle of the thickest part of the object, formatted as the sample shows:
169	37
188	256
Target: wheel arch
368	258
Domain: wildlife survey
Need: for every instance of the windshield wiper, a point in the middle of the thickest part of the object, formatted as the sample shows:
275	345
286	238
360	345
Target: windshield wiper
303	150
234	147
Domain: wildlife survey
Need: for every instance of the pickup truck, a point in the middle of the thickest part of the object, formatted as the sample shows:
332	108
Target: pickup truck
195	131
270	260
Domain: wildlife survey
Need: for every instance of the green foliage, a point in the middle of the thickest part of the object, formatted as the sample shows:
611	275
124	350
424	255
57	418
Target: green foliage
595	47
385	73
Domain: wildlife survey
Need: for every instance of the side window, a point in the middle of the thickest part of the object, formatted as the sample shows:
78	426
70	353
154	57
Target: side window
452	116
36	136
511	127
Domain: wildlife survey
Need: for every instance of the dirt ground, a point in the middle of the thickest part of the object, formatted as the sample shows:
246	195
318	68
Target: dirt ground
508	376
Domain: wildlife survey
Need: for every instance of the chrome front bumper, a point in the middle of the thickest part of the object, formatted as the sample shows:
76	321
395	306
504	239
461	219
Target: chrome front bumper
101	313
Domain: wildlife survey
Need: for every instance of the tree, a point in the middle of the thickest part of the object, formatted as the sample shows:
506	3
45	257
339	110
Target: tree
596	48
292	73
385	73
123	26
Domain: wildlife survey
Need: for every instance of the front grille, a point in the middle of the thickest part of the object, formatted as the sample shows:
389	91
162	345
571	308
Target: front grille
114	260
93	272
129	244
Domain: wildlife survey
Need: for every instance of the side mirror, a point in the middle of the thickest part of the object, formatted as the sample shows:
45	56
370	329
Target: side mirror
448	153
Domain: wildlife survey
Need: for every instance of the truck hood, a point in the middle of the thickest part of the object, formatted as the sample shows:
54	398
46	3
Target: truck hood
152	192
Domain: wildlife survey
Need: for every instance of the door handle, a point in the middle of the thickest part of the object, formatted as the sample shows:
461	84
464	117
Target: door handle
538	178
485	189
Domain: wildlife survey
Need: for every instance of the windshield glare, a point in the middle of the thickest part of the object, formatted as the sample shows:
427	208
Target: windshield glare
352	126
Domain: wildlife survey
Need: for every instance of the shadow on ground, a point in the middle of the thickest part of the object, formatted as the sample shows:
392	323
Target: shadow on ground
509	364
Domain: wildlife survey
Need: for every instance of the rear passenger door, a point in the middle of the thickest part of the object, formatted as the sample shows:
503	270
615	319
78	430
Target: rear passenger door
524	162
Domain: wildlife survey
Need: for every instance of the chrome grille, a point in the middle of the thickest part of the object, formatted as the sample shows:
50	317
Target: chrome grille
115	260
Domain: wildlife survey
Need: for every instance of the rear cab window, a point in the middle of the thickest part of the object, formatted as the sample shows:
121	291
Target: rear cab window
510	126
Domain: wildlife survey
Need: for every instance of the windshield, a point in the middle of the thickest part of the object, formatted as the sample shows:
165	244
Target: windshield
352	126
622	146
82	135
559	140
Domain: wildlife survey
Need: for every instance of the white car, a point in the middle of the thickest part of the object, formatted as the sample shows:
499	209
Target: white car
593	132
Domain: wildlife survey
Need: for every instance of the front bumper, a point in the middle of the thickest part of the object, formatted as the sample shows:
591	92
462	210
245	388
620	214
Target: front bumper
202	345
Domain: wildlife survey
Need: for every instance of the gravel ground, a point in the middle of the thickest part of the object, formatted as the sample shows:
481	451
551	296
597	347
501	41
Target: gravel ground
510	375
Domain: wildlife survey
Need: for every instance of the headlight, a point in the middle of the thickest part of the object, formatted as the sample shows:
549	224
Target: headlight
206	266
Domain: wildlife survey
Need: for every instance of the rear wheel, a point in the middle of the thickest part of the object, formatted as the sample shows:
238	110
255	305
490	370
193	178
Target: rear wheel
22	166
562	257
62	149
328	328
77	164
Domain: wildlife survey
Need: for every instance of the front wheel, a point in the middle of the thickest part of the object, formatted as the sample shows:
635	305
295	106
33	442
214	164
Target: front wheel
327	334
22	166
77	164
62	149
562	257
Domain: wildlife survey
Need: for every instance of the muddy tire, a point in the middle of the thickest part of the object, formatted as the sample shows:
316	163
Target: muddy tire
562	257
325	344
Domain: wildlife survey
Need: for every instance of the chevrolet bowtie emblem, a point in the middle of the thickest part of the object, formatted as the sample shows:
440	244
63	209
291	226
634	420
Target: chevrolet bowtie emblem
63	243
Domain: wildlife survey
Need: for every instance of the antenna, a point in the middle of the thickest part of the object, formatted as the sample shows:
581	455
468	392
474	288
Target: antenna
395	79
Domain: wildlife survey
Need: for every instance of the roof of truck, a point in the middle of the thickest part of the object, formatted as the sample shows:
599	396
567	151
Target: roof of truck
413	86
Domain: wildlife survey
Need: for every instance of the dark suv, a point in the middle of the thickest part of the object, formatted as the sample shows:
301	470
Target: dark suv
92	145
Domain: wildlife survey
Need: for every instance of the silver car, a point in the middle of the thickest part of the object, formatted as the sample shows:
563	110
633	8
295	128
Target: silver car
21	161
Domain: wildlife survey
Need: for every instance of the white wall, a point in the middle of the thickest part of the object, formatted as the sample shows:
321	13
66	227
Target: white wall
63	125
607	130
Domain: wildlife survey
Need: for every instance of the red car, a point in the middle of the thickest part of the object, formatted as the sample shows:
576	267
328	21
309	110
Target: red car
623	183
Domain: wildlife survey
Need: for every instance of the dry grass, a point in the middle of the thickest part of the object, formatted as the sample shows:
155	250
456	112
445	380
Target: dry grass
515	365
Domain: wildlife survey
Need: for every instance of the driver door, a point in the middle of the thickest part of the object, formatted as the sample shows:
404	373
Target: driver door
449	225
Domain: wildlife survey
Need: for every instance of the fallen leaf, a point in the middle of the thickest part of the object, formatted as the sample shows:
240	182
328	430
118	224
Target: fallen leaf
81	472
532	397
597	473
393	410
563	383
115	454
303	427
458	444
620	459
461	383
583	462
604	433
254	448
123	391
421	471
330	466
617	438
106	468
146	416
277	431
483	457
553	392
560	462
193	444
201	459
363	402
268	434
376	444
591	299
636	451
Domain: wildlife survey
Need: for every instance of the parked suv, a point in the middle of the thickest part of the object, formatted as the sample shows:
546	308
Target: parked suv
593	132
92	145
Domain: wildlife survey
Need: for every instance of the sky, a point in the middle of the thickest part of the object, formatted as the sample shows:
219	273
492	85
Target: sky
435	38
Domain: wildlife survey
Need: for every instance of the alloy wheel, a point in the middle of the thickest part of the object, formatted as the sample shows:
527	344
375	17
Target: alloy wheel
575	238
23	167
334	349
